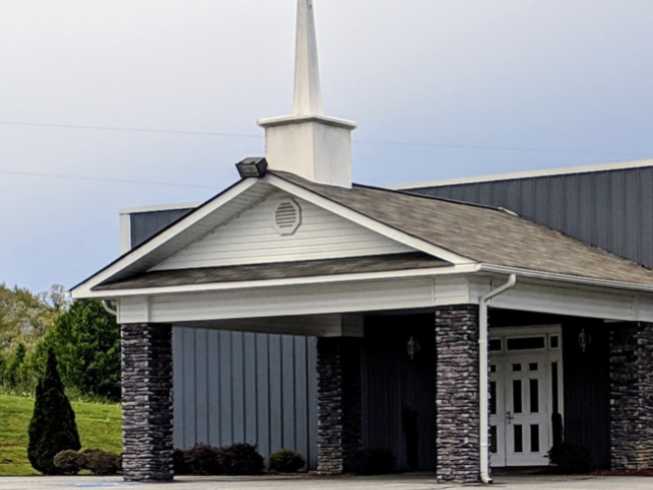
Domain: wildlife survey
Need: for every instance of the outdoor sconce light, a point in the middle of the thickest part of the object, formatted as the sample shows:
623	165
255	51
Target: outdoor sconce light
252	167
584	340
413	348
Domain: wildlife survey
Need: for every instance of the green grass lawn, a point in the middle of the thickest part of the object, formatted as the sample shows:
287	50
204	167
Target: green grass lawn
99	426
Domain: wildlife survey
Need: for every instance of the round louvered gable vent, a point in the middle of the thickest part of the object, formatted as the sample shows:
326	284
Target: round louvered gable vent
287	217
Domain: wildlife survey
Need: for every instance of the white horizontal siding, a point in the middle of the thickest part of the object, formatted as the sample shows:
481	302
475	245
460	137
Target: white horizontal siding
252	238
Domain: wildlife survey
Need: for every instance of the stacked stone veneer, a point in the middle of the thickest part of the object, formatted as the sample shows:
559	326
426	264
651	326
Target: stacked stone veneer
457	389
339	403
631	396
147	402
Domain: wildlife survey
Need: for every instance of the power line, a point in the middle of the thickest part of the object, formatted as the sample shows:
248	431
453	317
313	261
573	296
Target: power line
225	134
129	129
103	180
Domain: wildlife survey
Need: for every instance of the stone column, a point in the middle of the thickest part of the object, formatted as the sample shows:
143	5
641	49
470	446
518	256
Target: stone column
147	402
457	388
339	403
631	396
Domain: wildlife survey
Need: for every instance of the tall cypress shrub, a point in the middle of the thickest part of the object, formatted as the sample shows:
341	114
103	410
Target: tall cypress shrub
52	428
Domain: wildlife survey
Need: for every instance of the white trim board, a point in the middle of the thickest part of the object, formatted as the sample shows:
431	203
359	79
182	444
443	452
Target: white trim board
83	289
141	254
159	207
580	169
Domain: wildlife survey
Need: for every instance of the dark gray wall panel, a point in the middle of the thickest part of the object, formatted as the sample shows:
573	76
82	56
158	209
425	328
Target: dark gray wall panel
145	225
244	387
612	210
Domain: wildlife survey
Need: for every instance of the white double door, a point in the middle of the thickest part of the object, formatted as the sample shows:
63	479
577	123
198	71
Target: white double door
521	399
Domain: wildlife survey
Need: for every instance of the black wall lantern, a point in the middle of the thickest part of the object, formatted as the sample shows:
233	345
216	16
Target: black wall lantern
413	348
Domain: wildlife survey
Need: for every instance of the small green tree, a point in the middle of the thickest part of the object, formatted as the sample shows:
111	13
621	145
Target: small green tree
86	340
52	428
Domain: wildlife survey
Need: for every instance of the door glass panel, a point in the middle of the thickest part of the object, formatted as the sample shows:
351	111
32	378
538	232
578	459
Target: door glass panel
535	395
535	438
516	396
519	439
493	397
526	343
493	439
554	386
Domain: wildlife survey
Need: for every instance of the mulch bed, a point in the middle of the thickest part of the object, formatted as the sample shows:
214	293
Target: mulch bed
648	472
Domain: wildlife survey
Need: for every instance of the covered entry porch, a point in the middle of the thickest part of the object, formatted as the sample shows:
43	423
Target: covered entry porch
402	368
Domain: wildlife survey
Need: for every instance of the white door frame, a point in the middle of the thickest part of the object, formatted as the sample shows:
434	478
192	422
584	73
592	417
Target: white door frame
500	361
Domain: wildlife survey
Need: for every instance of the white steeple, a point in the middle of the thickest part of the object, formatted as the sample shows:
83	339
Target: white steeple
307	143
308	99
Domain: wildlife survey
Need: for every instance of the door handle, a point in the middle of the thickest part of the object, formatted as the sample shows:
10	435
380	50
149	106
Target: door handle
509	417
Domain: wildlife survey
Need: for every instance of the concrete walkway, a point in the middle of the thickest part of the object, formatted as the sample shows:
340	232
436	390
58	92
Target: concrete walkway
395	482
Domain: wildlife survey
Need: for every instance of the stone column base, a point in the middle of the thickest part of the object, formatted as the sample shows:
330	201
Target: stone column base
631	396
339	404
458	444
147	402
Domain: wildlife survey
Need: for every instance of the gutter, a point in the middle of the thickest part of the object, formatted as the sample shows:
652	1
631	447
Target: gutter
568	278
483	374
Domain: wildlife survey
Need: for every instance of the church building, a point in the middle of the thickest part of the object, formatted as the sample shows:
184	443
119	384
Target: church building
463	326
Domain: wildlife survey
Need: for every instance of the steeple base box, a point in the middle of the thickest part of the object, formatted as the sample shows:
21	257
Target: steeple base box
317	148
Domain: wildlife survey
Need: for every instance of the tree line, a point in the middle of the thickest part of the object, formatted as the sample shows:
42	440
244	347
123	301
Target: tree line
84	337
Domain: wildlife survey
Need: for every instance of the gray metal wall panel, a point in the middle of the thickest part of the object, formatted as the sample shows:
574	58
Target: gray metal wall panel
245	387
612	210
145	225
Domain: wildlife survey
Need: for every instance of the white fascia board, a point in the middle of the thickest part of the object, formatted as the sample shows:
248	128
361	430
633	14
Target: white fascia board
83	290
159	207
567	278
581	169
301	281
368	223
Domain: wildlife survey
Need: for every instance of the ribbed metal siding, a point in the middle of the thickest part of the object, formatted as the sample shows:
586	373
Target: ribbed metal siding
234	387
611	210
145	225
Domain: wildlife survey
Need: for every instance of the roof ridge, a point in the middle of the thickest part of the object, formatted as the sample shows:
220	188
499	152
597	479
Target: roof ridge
412	193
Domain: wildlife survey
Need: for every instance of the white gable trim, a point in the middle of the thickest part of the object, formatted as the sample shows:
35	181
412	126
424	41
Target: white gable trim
253	237
366	222
83	290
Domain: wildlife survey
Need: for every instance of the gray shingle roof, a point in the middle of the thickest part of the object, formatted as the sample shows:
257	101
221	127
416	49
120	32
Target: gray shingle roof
481	234
281	270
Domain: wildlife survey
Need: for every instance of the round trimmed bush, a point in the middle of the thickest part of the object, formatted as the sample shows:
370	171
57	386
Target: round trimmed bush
240	459
571	458
101	463
69	462
286	461
201	460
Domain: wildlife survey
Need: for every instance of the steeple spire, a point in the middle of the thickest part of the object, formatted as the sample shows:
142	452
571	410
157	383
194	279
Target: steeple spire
308	99
308	143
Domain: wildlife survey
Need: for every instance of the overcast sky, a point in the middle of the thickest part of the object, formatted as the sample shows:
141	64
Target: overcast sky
440	88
